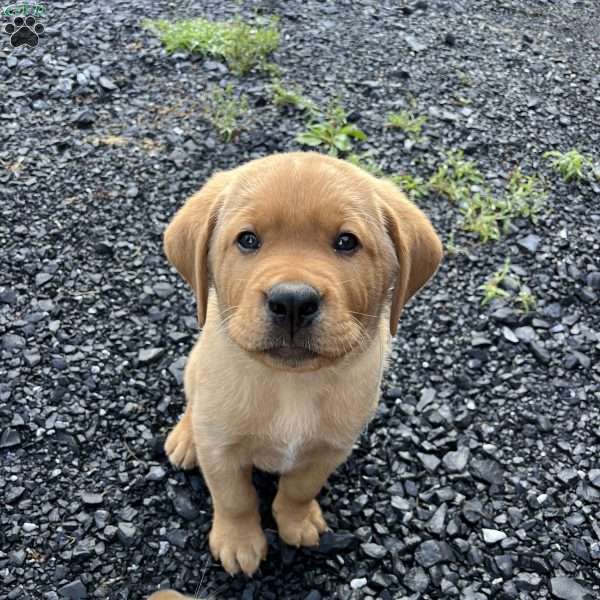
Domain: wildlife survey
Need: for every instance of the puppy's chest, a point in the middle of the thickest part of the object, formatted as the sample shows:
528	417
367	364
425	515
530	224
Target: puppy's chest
293	428
279	458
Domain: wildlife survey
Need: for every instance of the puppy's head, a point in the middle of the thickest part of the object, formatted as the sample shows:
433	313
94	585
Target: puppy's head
305	252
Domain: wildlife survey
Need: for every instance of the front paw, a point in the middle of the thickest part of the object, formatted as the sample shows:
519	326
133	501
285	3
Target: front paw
299	526
180	447
240	545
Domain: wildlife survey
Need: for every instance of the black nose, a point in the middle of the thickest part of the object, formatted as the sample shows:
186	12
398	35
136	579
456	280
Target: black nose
293	305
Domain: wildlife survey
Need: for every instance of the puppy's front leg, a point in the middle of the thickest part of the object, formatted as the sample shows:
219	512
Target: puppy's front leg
298	514
179	446
236	537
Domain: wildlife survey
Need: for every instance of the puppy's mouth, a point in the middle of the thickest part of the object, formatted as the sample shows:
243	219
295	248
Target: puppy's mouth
292	354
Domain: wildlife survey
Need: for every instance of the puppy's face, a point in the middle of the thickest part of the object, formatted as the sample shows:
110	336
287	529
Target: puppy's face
302	254
301	263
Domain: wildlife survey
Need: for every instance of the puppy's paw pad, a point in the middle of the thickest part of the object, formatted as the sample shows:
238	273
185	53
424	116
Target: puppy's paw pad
301	531
180	447
238	547
24	31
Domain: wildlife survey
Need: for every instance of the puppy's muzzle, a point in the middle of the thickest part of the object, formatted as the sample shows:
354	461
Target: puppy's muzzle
292	306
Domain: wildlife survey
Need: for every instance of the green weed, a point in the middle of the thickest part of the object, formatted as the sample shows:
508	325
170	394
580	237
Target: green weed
455	177
489	216
485	214
331	130
571	165
412	185
525	195
406	121
225	111
451	247
526	300
491	289
243	46
283	96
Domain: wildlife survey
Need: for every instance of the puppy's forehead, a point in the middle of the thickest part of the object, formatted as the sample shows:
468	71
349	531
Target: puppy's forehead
297	192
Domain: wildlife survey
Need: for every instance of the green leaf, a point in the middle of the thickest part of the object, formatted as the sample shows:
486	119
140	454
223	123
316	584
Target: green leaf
355	132
308	139
320	130
342	142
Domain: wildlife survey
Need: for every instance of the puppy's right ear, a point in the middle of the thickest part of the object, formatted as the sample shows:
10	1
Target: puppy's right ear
418	248
187	238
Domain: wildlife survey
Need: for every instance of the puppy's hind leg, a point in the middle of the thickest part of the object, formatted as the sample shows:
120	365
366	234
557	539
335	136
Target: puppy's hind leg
180	447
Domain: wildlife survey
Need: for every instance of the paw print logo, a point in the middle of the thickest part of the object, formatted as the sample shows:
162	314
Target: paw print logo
24	32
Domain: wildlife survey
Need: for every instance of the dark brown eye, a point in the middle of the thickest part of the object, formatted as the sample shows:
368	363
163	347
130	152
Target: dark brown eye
346	243
248	241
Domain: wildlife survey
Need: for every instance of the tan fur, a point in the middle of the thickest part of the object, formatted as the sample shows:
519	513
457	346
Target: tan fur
170	595
245	407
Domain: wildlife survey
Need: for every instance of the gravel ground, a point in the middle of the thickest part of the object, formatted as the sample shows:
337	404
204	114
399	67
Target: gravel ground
479	477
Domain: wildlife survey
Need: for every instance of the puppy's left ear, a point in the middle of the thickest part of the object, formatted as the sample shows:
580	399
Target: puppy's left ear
187	238
418	247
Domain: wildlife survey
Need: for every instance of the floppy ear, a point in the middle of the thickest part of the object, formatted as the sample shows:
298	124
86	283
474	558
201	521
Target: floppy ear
187	238
418	248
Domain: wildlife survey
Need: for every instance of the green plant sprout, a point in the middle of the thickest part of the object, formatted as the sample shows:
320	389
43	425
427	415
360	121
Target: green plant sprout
525	195
406	121
491	289
242	45
455	177
412	185
331	130
225	111
526	299
283	96
452	249
486	215
571	165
